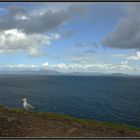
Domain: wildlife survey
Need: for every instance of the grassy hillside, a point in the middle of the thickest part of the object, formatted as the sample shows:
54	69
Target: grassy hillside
18	123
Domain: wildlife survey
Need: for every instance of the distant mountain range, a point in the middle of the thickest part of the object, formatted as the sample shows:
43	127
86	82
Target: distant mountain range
34	72
97	73
50	72
119	74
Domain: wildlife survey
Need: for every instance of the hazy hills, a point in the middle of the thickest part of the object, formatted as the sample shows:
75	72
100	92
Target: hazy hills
50	72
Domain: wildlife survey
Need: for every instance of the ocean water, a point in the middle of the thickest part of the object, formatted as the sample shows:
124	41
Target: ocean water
103	98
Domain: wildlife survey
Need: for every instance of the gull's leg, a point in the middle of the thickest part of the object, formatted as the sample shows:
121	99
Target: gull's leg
26	111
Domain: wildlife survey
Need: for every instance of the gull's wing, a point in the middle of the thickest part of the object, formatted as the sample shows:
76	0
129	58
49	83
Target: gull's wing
29	106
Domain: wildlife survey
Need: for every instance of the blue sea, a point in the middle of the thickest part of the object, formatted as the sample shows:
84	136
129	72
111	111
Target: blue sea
104	98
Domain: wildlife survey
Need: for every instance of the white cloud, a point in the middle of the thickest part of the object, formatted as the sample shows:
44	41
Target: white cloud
22	66
100	67
45	65
14	40
34	52
134	57
122	67
86	56
119	55
124	62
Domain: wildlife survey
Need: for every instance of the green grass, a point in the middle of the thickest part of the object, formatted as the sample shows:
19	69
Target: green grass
1	106
17	110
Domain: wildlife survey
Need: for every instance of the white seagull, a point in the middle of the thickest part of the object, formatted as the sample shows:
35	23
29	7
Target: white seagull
26	105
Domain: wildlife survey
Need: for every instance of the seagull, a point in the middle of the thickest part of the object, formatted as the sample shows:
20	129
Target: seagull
26	105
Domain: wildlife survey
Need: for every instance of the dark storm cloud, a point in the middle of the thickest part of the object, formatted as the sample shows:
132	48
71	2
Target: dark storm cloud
49	21
126	35
17	11
20	18
35	23
6	24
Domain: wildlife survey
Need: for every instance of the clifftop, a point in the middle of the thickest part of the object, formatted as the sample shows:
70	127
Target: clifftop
18	123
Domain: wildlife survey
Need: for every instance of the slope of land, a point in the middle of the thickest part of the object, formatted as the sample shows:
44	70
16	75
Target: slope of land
18	123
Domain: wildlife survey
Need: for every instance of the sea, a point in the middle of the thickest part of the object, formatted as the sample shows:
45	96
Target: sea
102	98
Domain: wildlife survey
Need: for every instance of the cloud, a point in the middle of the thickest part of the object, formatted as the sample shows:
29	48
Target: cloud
84	53
26	66
49	20
21	67
29	29
123	67
15	41
45	65
86	56
134	57
119	55
79	59
124	63
34	52
15	11
87	44
126	34
97	67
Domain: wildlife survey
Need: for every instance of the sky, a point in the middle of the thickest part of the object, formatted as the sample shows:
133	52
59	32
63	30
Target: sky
70	36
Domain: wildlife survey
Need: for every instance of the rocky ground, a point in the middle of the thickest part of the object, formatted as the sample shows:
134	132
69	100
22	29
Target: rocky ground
18	123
